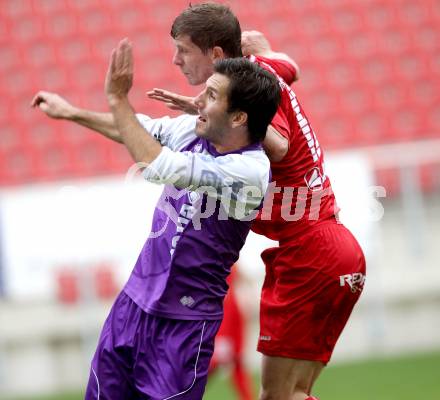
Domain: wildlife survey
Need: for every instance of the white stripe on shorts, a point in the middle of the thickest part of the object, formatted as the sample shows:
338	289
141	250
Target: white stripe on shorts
97	382
195	368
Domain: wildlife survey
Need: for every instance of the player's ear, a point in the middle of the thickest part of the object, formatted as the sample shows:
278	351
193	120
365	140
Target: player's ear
217	53
239	118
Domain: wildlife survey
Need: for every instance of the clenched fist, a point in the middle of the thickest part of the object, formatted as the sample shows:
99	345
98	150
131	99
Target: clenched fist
53	105
254	42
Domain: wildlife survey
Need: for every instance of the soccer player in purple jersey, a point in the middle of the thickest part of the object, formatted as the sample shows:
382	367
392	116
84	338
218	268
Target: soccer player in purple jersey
158	339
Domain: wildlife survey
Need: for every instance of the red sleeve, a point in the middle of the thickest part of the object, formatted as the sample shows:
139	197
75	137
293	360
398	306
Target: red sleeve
280	123
283	68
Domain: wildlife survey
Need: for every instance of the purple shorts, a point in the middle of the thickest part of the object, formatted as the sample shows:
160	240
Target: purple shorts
142	356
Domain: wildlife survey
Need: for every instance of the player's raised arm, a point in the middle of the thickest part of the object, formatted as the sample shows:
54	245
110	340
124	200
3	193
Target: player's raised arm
255	43
118	82
57	107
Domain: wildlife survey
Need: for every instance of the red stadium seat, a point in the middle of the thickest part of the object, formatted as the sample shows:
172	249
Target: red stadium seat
82	7
96	21
20	164
61	26
380	16
412	14
10	57
11	137
91	157
76	50
371	127
40	54
27	28
17	9
68	286
430	177
407	124
53	77
105	284
51	7
375	71
55	161
390	180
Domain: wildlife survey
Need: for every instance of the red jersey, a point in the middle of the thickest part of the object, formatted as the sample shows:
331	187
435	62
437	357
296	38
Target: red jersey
300	194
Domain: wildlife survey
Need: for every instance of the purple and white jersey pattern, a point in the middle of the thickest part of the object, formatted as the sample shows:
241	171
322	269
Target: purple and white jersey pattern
200	222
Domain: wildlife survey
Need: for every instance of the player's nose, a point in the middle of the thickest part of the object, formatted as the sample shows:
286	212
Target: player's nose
198	101
177	59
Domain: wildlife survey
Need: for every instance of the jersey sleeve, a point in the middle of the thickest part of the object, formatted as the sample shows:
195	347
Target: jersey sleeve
280	123
283	68
239	179
174	133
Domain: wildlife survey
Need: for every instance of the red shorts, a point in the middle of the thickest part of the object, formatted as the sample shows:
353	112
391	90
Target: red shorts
312	284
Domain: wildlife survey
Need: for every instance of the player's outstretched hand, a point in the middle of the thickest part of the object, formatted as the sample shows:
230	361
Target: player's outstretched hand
119	78
53	105
174	101
254	42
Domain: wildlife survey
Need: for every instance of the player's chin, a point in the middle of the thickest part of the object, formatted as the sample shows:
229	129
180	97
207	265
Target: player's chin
201	133
200	128
192	80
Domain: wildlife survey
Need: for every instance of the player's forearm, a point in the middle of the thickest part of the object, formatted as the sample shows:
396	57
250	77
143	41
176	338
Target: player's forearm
102	123
141	145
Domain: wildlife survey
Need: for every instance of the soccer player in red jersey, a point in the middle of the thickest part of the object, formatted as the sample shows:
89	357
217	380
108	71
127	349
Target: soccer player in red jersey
316	274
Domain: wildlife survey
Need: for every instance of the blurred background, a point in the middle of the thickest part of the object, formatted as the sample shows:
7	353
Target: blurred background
72	223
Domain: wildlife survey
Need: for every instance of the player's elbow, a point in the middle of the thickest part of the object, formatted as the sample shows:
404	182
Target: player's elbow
297	73
279	152
275	145
295	68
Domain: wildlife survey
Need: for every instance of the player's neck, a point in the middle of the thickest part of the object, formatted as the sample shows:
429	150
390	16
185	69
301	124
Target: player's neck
234	140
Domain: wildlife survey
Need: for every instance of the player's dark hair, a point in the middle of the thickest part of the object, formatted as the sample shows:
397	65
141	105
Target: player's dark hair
253	90
209	25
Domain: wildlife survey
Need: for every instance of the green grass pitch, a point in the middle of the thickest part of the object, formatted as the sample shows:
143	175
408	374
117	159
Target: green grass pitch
397	378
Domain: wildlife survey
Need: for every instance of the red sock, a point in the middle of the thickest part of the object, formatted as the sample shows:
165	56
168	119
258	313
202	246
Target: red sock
242	381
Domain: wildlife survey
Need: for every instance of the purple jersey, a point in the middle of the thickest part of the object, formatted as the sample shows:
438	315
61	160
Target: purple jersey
196	234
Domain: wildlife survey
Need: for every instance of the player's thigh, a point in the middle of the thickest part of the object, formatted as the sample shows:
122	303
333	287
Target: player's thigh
110	372
282	377
176	363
